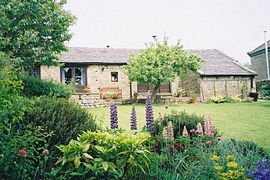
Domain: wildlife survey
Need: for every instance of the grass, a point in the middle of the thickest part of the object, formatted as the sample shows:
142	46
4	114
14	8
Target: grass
243	121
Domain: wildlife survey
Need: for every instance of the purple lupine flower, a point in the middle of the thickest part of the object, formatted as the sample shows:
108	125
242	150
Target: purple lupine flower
113	116
133	119
262	170
149	114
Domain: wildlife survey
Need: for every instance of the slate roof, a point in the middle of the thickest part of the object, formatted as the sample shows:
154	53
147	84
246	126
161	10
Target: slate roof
97	55
214	62
260	48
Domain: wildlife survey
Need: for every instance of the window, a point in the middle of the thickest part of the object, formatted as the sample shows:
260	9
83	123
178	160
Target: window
74	74
163	88
114	76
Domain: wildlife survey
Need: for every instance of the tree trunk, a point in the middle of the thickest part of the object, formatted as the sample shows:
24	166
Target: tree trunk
154	92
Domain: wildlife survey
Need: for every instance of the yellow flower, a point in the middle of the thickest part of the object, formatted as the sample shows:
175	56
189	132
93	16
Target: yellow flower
232	164
230	158
218	168
215	158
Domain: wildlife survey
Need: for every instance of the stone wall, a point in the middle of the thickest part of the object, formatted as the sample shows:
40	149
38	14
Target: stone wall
50	73
258	64
91	100
225	86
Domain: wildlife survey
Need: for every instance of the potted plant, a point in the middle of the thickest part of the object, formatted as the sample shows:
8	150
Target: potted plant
180	92
135	95
193	98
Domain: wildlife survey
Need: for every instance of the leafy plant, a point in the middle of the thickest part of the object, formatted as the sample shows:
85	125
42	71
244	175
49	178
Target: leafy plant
265	90
38	87
231	169
61	117
15	134
180	92
246	153
21	153
179	120
105	155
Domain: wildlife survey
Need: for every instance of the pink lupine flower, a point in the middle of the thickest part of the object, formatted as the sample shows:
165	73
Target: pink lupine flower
209	142
185	132
199	130
209	129
22	153
170	131
165	133
192	131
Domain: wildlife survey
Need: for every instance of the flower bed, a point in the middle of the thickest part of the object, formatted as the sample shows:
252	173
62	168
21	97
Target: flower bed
177	145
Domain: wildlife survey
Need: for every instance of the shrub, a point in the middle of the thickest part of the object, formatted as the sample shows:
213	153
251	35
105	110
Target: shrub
190	161
105	155
21	153
223	99
195	159
11	104
265	90
61	117
15	134
179	120
37	87
246	153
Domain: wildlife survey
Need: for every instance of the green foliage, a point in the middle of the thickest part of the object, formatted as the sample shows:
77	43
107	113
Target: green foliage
244	90
195	159
223	99
105	155
181	92
11	104
37	87
160	63
191	156
228	170
33	141
265	90
179	120
61	117
191	161
246	153
14	133
34	32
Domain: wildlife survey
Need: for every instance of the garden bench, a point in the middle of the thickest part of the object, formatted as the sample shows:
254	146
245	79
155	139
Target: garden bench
110	93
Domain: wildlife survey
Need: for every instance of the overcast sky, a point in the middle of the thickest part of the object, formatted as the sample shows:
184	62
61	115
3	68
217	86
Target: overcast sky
233	26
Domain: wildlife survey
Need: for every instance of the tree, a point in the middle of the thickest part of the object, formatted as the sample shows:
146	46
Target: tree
34	32
160	63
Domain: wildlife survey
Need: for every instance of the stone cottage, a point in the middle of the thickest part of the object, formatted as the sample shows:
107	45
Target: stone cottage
100	71
258	61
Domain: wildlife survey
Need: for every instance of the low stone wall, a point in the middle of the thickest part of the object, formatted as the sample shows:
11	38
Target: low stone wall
91	100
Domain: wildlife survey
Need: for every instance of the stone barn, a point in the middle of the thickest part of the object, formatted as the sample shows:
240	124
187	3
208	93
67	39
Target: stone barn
98	72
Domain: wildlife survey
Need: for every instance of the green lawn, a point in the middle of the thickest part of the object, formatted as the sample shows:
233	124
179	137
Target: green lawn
247	121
